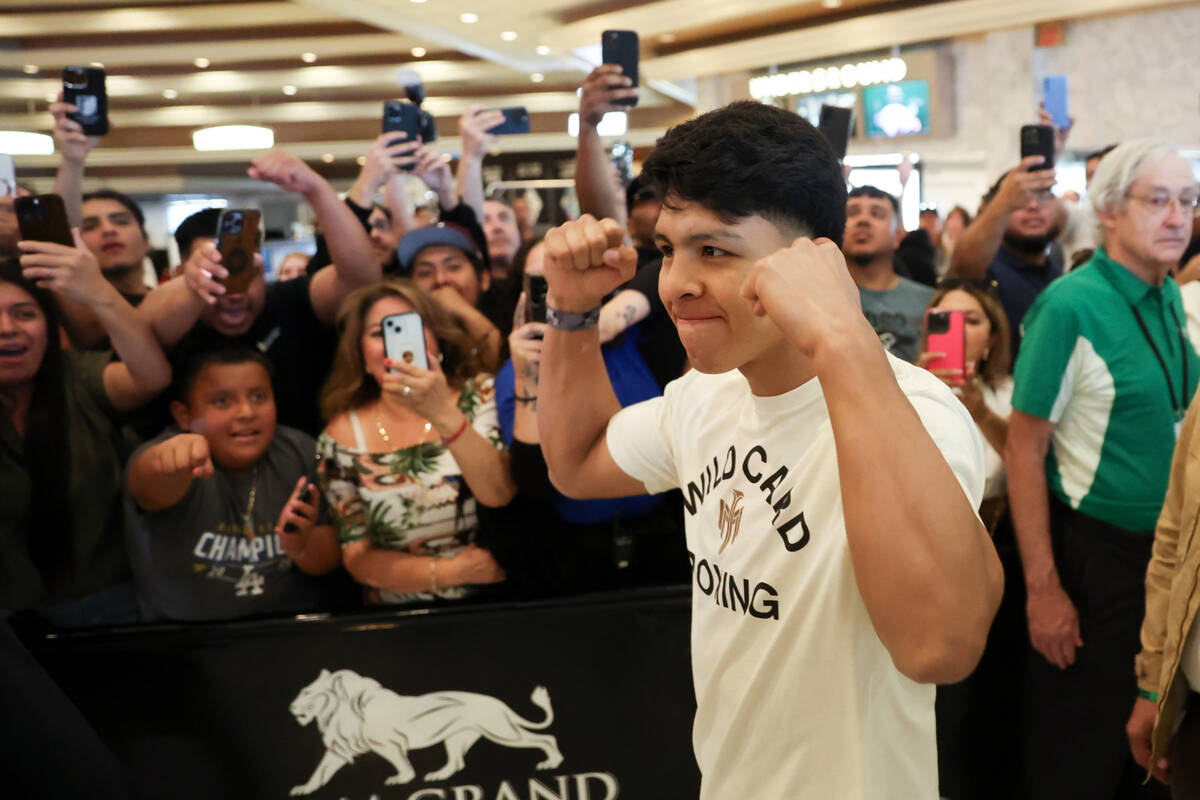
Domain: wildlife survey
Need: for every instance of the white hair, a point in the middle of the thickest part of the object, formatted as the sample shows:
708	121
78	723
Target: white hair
1117	171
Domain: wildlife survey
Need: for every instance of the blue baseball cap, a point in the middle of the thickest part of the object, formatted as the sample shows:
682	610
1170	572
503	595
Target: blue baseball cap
445	234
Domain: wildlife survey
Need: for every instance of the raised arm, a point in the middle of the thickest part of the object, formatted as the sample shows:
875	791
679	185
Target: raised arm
354	263
585	260
594	184
980	241
73	146
473	127
159	476
925	566
143	370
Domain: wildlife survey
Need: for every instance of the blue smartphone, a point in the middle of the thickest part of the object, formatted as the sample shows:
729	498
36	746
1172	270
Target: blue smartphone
516	120
1054	98
404	339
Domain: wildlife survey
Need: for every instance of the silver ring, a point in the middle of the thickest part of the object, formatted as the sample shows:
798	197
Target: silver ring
407	390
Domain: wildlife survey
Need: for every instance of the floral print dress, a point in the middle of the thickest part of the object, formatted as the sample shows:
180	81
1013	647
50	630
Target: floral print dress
407	500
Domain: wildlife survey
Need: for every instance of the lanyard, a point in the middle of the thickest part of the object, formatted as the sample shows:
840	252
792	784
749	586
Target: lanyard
1180	408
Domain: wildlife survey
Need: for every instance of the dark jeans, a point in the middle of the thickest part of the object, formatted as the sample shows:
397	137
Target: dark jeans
1185	754
1074	741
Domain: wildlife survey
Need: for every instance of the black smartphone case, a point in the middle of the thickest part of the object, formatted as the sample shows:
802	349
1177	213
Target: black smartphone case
1038	140
621	47
836	124
92	100
43	218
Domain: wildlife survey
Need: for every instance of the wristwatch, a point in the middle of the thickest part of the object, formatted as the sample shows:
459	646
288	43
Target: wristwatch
572	320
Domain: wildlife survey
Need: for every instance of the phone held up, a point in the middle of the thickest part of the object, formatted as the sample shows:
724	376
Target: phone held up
237	241
404	339
535	298
43	218
946	333
836	124
83	87
621	47
399	115
516	120
1038	140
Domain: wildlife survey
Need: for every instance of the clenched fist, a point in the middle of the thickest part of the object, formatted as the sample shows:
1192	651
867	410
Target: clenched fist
585	260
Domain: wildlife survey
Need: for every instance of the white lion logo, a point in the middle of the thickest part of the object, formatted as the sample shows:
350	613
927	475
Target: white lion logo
356	715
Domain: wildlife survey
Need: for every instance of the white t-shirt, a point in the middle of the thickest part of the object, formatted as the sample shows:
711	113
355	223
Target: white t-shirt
797	697
999	402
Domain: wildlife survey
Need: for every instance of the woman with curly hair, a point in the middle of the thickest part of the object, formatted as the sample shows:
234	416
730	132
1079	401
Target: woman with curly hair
408	452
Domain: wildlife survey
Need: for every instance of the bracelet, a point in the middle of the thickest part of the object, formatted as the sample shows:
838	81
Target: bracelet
433	584
449	440
525	398
1147	695
572	320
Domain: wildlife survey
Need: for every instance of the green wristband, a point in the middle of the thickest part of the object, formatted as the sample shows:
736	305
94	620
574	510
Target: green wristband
1145	695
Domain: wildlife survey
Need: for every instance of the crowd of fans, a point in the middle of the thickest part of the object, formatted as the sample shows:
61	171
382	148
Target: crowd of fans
186	452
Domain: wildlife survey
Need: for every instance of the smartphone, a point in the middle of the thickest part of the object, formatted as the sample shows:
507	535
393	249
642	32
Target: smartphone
946	333
535	298
621	47
404	339
84	87
401	116
1038	140
43	218
836	124
8	176
237	241
516	120
1054	98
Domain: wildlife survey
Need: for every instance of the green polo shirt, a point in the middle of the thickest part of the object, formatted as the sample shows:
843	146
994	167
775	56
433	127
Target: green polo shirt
1087	366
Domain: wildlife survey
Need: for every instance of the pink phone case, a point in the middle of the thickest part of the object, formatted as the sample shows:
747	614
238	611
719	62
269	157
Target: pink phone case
946	333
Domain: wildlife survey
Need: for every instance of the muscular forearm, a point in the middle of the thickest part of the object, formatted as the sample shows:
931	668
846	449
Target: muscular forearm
349	248
525	394
171	310
926	569
132	340
626	309
577	403
594	184
979	242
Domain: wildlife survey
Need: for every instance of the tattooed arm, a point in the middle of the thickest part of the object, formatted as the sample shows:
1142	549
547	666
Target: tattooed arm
626	309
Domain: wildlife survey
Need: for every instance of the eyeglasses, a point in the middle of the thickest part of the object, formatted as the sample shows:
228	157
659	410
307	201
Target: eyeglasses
1160	202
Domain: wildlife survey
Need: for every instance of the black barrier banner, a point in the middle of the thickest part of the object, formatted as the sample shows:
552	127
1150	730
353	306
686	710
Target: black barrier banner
586	699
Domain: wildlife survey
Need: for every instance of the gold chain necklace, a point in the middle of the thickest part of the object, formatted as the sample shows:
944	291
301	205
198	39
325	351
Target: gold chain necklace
247	523
383	434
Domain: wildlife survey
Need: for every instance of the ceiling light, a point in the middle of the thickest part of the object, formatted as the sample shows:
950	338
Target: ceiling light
832	3
24	143
30	69
327	158
468	18
170	94
418	1
201	63
418	52
98	64
613	123
308	58
233	137
290	90
50	98
509	36
543	50
537	77
361	160
666	38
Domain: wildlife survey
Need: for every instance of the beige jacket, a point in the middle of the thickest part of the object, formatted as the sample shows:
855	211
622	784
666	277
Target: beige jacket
1173	585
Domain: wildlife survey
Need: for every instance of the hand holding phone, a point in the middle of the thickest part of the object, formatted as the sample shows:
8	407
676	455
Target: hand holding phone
403	117
516	120
1054	100
43	218
946	333
404	339
837	125
237	242
1038	140
621	48
84	87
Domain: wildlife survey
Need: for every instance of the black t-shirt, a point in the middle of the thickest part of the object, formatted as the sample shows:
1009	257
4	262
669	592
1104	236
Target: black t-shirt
298	345
660	346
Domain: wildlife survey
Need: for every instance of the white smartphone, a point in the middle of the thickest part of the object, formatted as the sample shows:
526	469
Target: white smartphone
404	339
8	176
